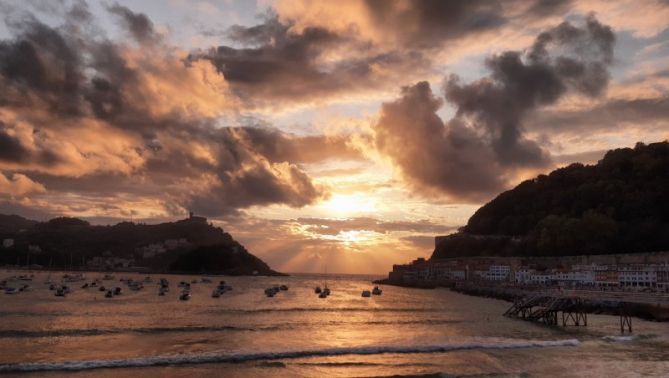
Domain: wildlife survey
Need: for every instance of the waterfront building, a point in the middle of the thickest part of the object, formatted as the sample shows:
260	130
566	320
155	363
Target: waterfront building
637	276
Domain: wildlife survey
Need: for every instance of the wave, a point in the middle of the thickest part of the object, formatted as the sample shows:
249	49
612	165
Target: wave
325	309
158	330
110	331
617	338
209	358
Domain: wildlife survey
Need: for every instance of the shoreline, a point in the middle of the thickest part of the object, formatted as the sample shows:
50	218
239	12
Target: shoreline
141	270
643	311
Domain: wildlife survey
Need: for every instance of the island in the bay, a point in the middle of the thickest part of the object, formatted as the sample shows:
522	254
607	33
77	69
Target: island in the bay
602	227
191	245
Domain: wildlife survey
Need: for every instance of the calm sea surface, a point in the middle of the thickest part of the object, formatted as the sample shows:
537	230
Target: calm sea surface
244	333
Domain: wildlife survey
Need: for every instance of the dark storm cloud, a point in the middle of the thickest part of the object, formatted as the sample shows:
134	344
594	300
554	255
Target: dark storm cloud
39	61
11	149
139	25
516	87
432	156
14	152
428	23
65	84
279	65
473	155
279	62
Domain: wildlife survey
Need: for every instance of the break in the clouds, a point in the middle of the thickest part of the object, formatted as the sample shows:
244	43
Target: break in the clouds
475	154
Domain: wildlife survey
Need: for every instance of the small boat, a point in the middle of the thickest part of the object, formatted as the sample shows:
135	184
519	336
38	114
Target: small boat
102	288
66	289
52	287
376	291
317	290
162	291
283	288
11	290
84	286
24	288
366	294
185	295
216	294
60	293
326	291
322	295
117	291
109	294
222	288
271	291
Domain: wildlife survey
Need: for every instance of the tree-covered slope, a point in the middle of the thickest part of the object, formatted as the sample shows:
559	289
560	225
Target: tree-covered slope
621	204
197	246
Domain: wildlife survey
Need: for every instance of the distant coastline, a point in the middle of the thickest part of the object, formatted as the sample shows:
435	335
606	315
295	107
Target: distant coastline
187	246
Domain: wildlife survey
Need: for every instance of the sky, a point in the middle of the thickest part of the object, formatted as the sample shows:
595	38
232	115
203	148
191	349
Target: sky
319	134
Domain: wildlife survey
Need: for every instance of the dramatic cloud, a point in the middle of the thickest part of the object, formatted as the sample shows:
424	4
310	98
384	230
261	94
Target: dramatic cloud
428	24
319	51
138	24
472	156
278	65
80	110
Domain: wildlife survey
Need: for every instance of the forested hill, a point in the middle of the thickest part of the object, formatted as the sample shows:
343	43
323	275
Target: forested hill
191	245
619	205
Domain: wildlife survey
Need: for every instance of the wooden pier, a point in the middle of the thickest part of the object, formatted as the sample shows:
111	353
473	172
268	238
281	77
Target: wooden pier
573	310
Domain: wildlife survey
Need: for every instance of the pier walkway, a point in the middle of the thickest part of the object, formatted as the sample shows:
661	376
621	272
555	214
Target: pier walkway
571	307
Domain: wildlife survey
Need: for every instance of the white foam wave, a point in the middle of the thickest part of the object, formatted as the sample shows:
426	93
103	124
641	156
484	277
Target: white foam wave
616	338
205	358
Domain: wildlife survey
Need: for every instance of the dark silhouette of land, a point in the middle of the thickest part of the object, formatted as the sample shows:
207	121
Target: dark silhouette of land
189	246
619	205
